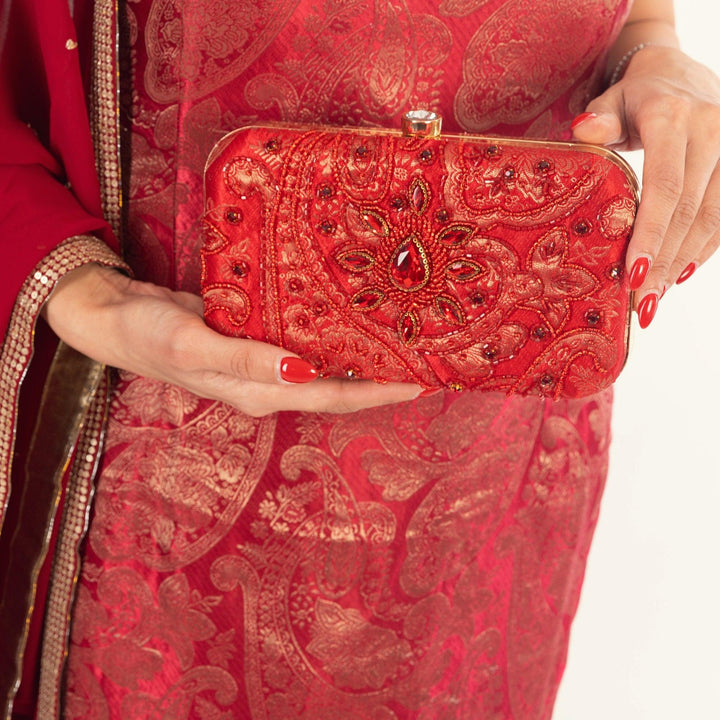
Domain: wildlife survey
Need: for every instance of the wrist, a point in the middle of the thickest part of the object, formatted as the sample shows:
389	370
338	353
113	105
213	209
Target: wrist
81	292
622	65
646	33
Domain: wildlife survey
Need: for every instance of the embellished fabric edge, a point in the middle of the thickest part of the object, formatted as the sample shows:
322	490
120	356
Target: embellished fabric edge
16	352
17	348
67	561
104	115
105	132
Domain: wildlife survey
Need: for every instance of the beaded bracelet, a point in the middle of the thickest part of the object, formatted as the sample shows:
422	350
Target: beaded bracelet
624	61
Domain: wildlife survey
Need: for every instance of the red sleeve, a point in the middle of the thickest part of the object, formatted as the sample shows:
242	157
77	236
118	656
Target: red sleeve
48	185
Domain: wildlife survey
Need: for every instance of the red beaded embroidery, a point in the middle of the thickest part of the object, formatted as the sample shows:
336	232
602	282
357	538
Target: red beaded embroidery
432	262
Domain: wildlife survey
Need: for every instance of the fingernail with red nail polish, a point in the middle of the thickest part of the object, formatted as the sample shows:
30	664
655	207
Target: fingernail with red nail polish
639	272
686	273
581	118
429	392
296	370
647	309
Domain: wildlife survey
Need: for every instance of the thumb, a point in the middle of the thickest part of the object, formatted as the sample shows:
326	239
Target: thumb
255	361
602	123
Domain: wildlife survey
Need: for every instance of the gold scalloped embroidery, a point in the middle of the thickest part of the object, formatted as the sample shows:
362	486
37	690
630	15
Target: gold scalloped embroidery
17	347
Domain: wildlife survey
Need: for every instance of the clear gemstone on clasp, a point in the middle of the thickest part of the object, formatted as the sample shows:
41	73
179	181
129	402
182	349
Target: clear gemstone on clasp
421	123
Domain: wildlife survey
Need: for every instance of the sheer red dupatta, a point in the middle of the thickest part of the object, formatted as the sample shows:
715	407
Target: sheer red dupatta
45	142
49	192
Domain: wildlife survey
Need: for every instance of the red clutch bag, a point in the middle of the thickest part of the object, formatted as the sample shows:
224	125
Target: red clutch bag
443	260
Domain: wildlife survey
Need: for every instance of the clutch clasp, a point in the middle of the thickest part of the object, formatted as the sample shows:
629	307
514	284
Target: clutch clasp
421	123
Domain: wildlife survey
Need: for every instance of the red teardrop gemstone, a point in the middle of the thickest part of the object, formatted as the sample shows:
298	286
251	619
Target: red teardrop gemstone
455	235
408	268
367	299
450	310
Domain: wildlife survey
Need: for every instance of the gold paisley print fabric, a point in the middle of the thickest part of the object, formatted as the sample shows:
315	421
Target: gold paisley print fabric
416	561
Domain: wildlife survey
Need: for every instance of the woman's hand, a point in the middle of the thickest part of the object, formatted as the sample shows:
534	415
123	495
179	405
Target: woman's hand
158	333
669	105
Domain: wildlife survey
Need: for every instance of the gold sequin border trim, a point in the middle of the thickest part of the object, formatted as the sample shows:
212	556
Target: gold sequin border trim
104	110
67	562
17	348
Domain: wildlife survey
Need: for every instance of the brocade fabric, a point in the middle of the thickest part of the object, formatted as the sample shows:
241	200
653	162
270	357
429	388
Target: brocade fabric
420	561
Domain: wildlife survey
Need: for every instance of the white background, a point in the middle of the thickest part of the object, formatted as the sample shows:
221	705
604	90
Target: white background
646	641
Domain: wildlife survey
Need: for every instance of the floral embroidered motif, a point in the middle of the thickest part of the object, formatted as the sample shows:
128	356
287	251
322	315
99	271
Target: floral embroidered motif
227	40
403	260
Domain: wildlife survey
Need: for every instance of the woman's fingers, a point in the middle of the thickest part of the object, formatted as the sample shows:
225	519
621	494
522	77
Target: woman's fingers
696	216
705	226
664	139
333	395
670	106
250	360
259	379
172	341
675	219
710	248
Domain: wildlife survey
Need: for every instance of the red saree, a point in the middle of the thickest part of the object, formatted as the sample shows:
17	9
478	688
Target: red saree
419	561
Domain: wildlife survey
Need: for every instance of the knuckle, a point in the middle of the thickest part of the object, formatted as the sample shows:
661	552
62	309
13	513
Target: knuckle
179	349
678	108
250	406
240	365
661	267
343	399
342	409
664	112
654	232
341	406
256	412
708	114
709	218
711	125
674	109
667	181
686	212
